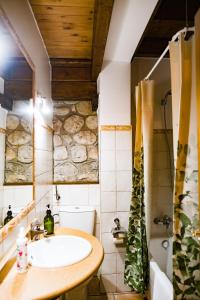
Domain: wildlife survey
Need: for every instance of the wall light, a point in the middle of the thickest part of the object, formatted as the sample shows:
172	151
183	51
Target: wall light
42	105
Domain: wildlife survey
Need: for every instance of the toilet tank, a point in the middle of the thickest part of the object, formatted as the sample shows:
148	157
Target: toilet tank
78	217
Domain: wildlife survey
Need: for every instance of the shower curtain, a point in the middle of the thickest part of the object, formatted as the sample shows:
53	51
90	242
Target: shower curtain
136	274
186	258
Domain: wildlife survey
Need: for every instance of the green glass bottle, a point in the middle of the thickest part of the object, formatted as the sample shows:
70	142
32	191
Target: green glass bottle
9	215
49	221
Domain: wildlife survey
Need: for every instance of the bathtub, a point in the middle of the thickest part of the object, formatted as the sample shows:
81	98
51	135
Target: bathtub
161	269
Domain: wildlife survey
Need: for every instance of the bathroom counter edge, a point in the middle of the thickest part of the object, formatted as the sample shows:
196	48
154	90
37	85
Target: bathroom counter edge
46	283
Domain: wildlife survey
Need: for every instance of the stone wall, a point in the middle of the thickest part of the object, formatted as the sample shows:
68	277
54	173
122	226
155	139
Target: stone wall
19	144
75	142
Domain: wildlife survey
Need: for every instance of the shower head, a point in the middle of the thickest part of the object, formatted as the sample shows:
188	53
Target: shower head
164	100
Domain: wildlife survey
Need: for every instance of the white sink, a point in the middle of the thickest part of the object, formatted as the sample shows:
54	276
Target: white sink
58	251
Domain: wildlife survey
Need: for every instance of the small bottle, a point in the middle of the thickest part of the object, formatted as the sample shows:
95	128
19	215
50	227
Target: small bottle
9	215
49	221
22	260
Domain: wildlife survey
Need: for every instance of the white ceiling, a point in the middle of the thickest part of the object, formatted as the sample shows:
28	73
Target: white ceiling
128	22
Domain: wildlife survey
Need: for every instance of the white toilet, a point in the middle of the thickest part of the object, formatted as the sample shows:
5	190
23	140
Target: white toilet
78	217
82	218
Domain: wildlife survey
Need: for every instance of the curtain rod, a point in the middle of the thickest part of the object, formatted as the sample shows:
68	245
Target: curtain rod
185	29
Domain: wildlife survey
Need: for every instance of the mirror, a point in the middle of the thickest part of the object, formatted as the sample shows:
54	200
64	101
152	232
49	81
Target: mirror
16	126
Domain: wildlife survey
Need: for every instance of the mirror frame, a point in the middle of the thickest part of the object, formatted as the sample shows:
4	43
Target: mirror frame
11	225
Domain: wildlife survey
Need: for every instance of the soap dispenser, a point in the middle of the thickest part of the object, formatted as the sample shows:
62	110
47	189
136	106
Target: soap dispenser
21	242
9	215
49	221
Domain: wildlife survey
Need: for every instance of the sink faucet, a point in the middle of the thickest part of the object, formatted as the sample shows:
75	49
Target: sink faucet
35	230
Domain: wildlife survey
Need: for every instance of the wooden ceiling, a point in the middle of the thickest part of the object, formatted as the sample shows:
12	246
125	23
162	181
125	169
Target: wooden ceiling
75	34
168	18
66	26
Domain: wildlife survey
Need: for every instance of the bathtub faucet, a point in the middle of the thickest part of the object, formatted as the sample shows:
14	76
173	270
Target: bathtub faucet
165	220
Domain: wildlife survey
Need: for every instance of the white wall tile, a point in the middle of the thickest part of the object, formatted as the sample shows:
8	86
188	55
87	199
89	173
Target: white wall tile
121	287
123	160
123	201
107	221
108	181
108	201
98	214
40	191
38	212
107	161
43	206
120	262
1	176
108	283
109	265
124	181
123	140
107	242
107	140
94	194
73	194
22	195
31	216
9	194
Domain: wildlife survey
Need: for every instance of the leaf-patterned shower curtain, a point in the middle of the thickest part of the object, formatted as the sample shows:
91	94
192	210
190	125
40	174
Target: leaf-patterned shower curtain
136	273
186	250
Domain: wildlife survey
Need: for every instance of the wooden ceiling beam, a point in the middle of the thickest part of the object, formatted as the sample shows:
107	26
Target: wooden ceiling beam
18	89
102	16
167	18
73	90
71	70
151	47
165	28
71	80
6	102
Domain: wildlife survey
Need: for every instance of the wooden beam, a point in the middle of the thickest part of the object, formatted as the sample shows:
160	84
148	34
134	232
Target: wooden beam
147	29
71	70
165	28
18	89
69	90
103	12
6	102
19	71
151	47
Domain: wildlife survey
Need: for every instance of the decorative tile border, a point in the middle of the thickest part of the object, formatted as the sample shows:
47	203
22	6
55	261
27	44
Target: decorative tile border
75	182
115	128
2	130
